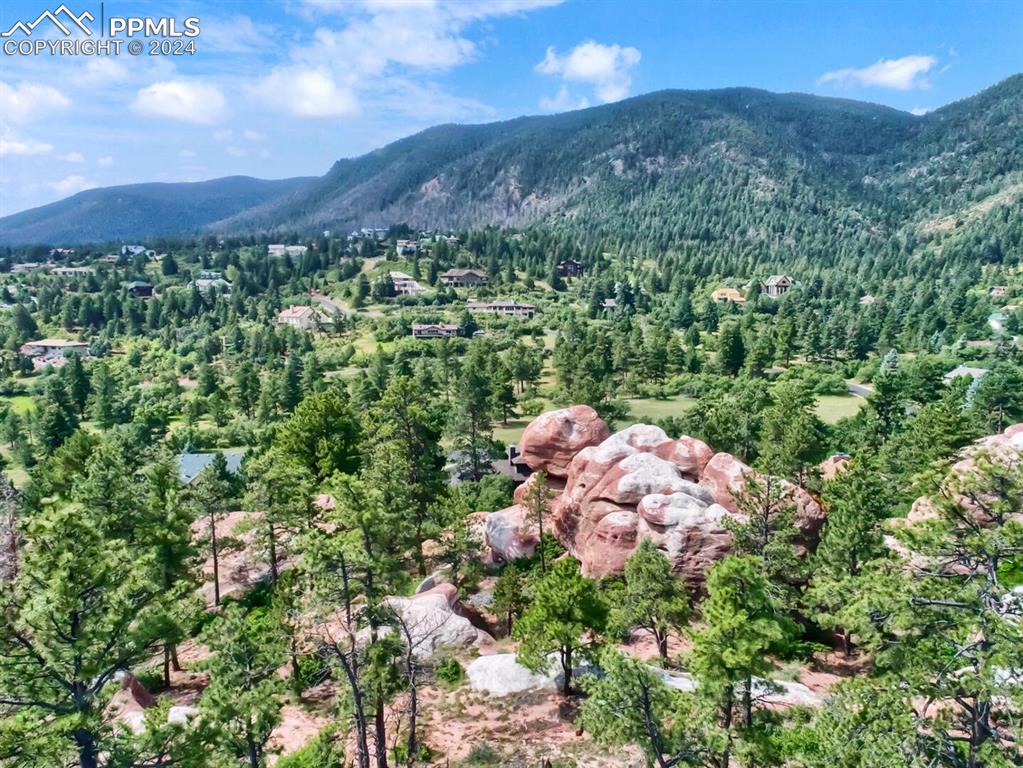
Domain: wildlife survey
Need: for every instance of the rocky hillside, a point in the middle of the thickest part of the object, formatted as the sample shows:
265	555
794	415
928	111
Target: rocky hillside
753	168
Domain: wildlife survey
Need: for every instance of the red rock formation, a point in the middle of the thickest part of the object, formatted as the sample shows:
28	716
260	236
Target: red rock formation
618	490
552	439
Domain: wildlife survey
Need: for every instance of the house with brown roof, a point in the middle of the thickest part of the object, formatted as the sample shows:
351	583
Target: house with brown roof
434	330
724	295
300	316
464	278
506	308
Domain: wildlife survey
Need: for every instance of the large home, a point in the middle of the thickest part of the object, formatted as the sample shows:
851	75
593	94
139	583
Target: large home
209	280
405	285
52	347
570	268
724	295
140	289
61	253
52	352
73	271
867	300
279	249
507	308
998	291
406	247
964	370
191	465
434	330
464	278
776	286
300	316
996	321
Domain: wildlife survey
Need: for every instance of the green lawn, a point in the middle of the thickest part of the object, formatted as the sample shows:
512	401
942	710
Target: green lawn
648	410
20	404
832	408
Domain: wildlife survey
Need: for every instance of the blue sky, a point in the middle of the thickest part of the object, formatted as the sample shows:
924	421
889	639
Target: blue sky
280	89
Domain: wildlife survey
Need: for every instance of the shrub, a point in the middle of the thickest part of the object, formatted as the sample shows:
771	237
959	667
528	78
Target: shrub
449	671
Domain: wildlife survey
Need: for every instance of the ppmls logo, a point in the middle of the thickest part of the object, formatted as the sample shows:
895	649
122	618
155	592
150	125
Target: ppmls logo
62	19
163	36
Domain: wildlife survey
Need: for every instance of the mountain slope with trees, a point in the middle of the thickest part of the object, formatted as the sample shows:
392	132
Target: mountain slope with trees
732	170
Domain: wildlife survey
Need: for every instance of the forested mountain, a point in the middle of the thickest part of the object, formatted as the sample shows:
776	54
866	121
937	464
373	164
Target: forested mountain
739	171
136	211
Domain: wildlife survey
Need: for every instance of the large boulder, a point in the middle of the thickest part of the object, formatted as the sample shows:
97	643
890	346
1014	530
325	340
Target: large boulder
509	535
552	439
433	621
501	675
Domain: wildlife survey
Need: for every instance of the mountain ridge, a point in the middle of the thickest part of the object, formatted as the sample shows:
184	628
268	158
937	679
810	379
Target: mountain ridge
623	164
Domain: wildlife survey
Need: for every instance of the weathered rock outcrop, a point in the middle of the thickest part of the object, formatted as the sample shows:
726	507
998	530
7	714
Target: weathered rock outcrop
433	620
636	484
552	439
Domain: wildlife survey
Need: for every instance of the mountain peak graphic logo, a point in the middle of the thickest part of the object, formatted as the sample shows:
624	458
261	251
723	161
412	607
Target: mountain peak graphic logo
54	17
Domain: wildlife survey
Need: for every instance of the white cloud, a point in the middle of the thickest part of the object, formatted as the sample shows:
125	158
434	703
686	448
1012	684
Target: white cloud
72	184
12	144
253	135
307	93
104	161
605	67
191	101
100	70
186	154
905	74
237	34
25	101
921	111
236	151
223	134
563	101
73	157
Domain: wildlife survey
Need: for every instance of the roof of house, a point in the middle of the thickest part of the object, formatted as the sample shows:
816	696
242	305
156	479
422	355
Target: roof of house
55	343
296	311
191	465
732	294
777	280
139	284
464	273
965	370
441	326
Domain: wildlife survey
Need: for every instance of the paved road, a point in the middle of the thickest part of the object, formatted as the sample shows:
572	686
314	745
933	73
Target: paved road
859	390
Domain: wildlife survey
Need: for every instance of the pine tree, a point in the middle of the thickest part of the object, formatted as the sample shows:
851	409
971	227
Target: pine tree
652	598
565	617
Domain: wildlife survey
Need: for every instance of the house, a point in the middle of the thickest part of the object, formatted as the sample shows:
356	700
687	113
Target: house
434	330
506	308
279	249
406	247
996	321
724	295
866	301
464	278
73	271
191	465
610	304
405	285
111	258
776	286
299	316
140	289
27	266
570	268
132	250
211	284
61	252
53	352
964	370
998	291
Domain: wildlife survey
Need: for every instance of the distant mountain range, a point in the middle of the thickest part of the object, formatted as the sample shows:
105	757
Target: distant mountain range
675	166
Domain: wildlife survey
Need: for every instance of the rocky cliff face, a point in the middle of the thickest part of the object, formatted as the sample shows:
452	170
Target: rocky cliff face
614	491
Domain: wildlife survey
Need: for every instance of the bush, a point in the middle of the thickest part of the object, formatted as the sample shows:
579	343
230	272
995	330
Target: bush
321	752
481	755
449	671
